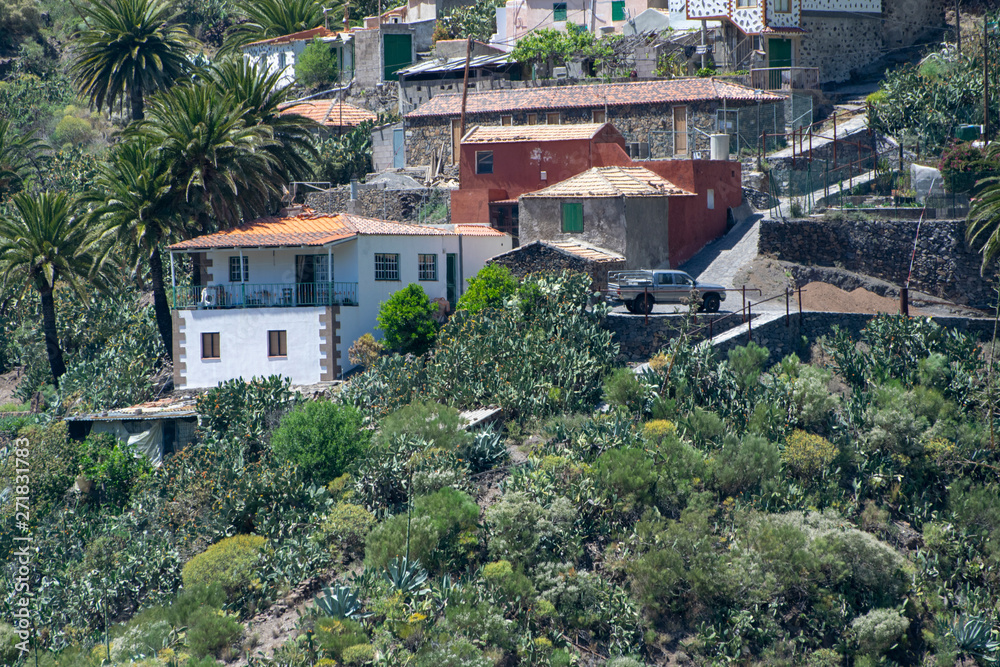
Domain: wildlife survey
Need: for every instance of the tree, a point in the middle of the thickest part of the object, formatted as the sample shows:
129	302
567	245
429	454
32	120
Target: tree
322	437
558	48
983	227
478	21
316	65
488	289
129	49
405	319
15	157
42	245
345	157
220	166
135	205
273	18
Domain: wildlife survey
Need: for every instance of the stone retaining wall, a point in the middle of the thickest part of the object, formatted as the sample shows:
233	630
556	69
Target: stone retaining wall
398	205
944	264
639	340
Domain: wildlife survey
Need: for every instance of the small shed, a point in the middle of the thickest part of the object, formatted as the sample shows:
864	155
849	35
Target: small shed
155	429
572	254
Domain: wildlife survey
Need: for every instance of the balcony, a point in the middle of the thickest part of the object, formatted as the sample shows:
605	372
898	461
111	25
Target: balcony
265	295
785	78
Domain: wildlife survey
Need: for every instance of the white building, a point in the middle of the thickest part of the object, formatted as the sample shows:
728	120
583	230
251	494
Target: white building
279	54
289	295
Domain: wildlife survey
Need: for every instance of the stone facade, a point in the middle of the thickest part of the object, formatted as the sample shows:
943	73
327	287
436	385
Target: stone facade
944	264
540	257
410	206
823	46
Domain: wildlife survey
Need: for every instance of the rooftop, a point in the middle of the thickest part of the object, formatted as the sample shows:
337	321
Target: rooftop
304	229
439	66
499	134
573	247
612	182
302	35
330	112
165	408
674	91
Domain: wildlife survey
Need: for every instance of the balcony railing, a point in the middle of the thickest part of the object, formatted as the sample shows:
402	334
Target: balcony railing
266	295
785	78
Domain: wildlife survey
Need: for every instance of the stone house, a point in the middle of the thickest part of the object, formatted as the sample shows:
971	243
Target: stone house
624	209
802	43
572	255
422	81
658	119
279	54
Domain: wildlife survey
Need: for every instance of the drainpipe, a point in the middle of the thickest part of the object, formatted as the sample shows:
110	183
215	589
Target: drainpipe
329	274
173	279
461	267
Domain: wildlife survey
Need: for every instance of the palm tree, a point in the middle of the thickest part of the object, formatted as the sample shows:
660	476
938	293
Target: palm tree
134	205
220	166
983	229
263	99
15	157
42	245
130	48
274	18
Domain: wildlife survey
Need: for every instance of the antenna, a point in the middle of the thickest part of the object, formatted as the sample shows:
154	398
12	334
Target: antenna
326	21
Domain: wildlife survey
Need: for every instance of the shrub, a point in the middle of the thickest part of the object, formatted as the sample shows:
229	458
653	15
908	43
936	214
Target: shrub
405	319
334	635
440	425
812	402
442	532
191	600
9	639
524	532
365	351
747	363
246	410
345	528
628	475
53	461
489	288
141	639
323	438
211	631
231	563
744	466
316	65
73	130
623	388
878	631
963	164
454	652
114	468
487	450
808	455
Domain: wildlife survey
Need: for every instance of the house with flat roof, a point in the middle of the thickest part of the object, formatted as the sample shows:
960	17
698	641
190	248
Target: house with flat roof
658	119
288	294
279	54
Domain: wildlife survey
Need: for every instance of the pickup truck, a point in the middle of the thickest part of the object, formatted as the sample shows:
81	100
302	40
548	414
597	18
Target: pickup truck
640	290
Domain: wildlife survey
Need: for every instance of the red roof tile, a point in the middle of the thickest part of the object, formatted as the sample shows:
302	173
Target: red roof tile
593	95
477	230
612	182
310	34
330	112
497	134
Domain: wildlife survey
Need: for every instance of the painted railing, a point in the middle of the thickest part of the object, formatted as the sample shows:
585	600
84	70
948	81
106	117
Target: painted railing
266	295
785	78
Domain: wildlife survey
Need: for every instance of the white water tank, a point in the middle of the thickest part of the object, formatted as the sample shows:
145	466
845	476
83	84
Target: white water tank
720	146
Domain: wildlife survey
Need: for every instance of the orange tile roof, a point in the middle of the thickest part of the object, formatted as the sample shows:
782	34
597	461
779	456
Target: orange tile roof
302	35
592	96
612	182
496	134
330	112
477	230
306	229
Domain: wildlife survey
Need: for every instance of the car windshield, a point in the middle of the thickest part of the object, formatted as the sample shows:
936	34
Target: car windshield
682	279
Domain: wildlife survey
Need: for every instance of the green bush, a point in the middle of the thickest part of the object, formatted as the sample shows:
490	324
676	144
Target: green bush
489	288
231	563
442	532
334	636
454	652
73	130
526	533
316	65
622	388
628	475
211	631
359	654
878	631
323	438
191	600
141	639
745	466
114	468
440	425
54	463
811	400
344	529
9	653
807	455
747	363
405	319
246	409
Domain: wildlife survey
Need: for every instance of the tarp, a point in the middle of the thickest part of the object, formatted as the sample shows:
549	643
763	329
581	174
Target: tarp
926	180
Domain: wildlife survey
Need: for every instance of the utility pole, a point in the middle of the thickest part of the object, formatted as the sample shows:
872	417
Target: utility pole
986	82
958	29
465	91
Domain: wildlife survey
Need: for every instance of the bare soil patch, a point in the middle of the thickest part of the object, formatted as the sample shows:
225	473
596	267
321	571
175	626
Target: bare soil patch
765	274
8	385
827	298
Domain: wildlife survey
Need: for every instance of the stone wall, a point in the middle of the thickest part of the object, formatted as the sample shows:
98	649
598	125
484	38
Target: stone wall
411	206
944	264
838	45
538	257
906	22
639	339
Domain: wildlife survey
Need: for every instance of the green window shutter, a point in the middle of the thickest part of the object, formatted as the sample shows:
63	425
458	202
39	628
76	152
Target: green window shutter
559	11
572	218
618	10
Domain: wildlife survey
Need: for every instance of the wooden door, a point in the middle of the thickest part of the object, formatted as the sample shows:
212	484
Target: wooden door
680	130
456	139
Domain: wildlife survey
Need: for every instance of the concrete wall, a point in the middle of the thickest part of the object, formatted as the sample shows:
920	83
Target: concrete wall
604	222
382	146
647	235
944	264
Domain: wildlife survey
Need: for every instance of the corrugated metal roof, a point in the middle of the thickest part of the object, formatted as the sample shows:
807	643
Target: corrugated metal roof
611	182
585	251
505	134
439	66
166	408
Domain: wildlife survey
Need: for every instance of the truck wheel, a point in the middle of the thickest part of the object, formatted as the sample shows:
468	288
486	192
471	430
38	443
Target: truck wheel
711	303
643	304
629	307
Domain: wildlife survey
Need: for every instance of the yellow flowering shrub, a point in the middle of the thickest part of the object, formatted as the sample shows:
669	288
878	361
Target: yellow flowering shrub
230	562
658	429
807	454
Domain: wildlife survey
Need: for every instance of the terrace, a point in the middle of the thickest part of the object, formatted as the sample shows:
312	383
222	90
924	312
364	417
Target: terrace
265	295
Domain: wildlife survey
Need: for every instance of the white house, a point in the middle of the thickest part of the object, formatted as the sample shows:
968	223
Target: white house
279	54
288	295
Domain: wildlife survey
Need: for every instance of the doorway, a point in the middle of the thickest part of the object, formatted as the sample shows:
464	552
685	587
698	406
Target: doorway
779	55
451	276
680	130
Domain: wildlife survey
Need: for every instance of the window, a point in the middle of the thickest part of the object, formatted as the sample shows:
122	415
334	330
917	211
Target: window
558	11
282	60
428	265
600	116
711	199
618	10
532	119
746	3
666	279
210	346
553	118
506	120
484	162
235	275
572	218
783	6
277	343
386	266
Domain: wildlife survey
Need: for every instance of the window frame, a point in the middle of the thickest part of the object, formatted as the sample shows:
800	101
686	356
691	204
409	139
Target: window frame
550	114
277	338
746	4
389	269
559	8
783	6
617	10
484	162
506	120
234	264
594	113
577	210
427	265
214	340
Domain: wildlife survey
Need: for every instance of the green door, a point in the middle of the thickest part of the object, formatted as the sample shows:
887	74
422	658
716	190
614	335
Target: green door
398	53
779	54
451	276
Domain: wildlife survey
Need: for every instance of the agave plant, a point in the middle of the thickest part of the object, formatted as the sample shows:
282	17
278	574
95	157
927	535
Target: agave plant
340	602
487	450
406	576
974	637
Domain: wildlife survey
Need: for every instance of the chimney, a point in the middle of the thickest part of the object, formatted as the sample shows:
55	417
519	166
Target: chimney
290	211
